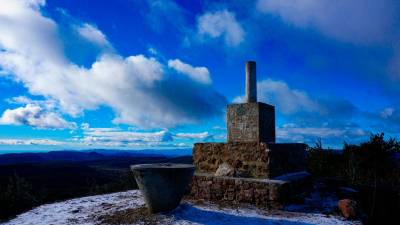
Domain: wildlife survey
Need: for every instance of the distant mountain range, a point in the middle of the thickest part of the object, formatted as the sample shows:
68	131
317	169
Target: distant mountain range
88	155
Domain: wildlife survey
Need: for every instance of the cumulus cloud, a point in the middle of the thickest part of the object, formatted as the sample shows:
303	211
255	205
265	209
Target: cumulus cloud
307	118
300	105
137	88
221	24
23	29
35	116
92	34
286	99
200	74
360	21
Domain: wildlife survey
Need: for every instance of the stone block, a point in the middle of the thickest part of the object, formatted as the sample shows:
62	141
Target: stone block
225	169
250	159
251	122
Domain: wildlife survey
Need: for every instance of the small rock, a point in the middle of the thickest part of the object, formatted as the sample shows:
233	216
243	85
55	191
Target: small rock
224	170
348	208
75	211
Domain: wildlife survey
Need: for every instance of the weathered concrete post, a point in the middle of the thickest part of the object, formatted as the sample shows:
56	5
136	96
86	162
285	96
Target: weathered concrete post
251	82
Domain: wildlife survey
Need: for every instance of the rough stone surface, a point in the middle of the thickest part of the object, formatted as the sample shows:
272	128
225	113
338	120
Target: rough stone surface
225	170
251	159
163	185
348	208
264	193
251	122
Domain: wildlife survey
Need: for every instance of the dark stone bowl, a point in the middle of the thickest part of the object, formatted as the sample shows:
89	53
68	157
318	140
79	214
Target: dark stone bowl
163	185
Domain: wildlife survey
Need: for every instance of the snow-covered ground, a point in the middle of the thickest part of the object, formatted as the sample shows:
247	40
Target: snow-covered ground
88	209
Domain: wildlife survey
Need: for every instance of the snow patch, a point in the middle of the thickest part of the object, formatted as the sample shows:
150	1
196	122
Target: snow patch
86	210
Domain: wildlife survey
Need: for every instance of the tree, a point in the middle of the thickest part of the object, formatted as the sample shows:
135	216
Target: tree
16	197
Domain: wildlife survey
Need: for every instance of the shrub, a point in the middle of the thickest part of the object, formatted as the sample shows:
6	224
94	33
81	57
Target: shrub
16	197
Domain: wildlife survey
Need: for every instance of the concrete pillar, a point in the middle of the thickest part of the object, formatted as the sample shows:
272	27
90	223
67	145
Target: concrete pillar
251	82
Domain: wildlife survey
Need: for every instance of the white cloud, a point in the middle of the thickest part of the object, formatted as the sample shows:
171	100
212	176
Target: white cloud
117	135
46	104
360	21
24	30
92	34
219	128
202	135
136	87
287	132
35	116
294	133
200	74
153	51
287	100
221	24
114	136
387	112
307	118
31	142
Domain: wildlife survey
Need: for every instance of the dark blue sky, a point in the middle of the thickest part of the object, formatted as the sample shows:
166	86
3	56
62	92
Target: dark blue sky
158	74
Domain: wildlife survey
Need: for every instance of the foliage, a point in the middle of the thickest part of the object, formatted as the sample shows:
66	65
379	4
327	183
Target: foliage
123	183
16	196
373	162
369	163
324	162
372	167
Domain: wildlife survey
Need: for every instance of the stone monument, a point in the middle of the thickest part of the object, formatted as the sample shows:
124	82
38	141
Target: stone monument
250	167
251	121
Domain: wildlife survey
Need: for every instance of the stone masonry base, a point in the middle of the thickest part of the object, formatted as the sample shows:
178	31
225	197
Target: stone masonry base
263	193
251	159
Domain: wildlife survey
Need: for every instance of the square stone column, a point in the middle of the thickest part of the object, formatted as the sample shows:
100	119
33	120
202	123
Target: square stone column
251	122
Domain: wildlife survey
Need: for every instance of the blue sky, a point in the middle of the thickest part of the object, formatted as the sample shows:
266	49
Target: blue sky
138	74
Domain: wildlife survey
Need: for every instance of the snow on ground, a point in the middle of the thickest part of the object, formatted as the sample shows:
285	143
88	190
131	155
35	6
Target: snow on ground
86	210
79	210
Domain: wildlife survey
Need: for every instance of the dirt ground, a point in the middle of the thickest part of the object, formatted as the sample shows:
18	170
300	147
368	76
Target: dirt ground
138	215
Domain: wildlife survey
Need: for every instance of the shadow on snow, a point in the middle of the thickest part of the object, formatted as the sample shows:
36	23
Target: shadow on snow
189	213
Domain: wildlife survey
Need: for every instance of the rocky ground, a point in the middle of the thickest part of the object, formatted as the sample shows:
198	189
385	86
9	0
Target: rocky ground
128	208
